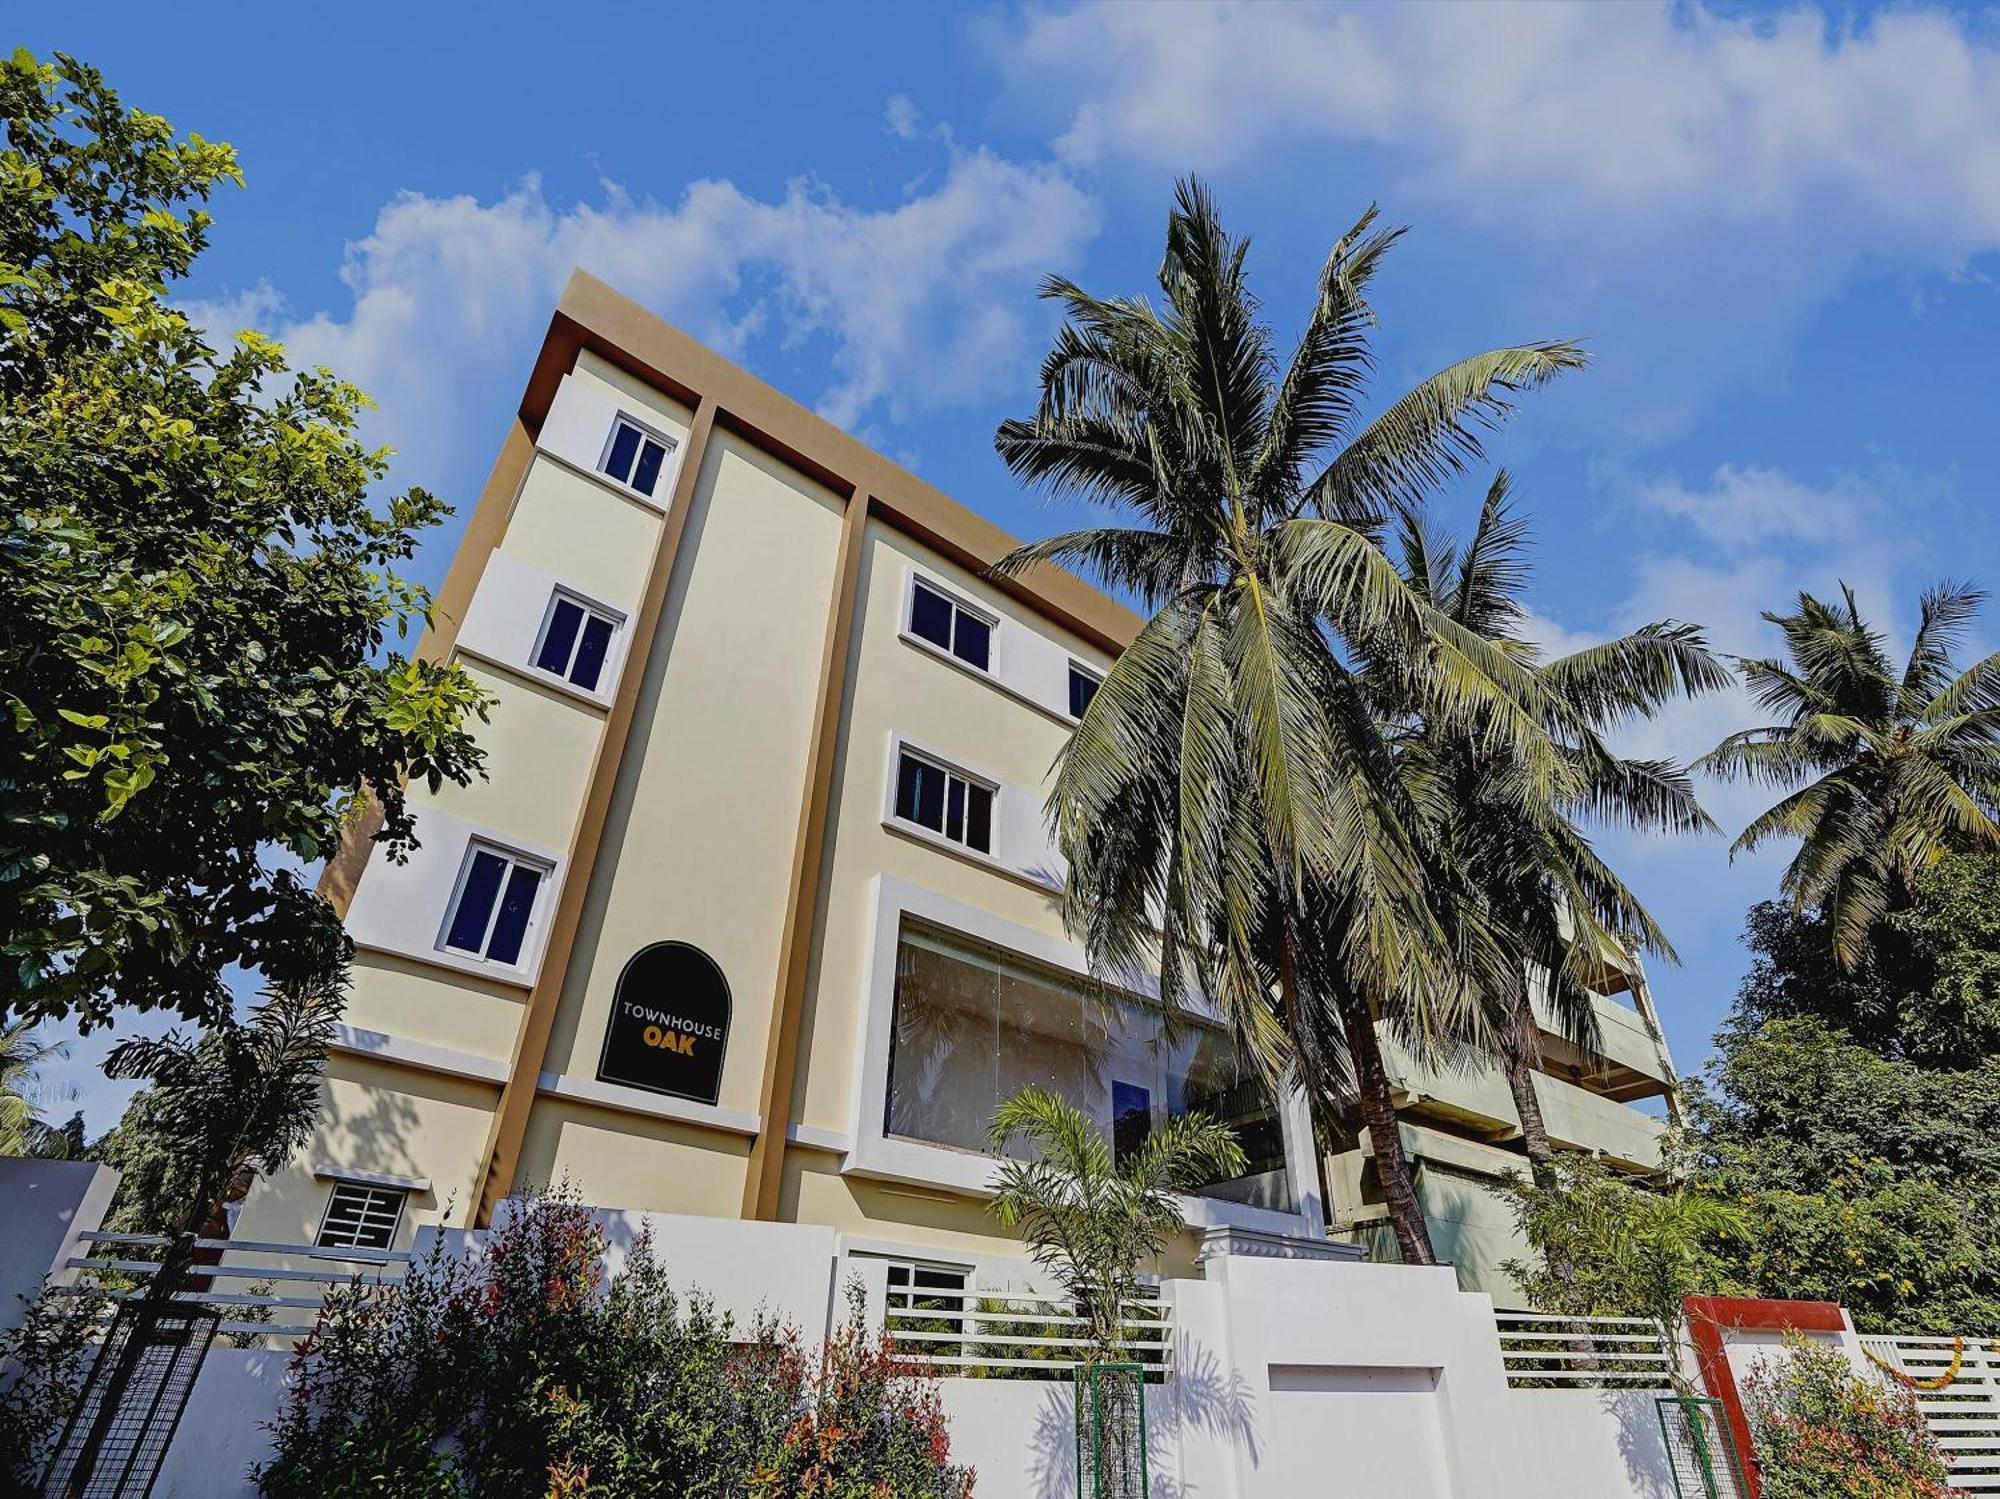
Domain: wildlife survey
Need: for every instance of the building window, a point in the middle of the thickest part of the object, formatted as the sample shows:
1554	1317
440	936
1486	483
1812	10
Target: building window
950	625
974	1025
359	1216
635	456
494	905
576	641
944	801
1083	685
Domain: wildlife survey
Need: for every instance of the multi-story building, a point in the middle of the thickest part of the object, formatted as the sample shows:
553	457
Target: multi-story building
752	915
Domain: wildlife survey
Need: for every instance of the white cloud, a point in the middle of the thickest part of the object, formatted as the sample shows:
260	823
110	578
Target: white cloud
918	306
1684	187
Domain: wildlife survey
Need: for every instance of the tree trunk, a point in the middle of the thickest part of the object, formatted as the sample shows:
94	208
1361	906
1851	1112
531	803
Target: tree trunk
1376	1105
1518	1050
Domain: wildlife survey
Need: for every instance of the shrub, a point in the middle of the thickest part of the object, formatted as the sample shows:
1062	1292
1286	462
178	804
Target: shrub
43	1363
1822	1432
518	1370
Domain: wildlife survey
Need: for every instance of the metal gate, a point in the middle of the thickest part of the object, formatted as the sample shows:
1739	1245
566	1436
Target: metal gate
117	1436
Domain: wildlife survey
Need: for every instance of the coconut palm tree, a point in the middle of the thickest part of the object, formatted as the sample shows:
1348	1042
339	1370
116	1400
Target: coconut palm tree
1227	808
1516	857
22	1093
1898	768
1089	1220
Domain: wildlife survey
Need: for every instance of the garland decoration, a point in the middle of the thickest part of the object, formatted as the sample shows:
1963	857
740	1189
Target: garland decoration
1935	1382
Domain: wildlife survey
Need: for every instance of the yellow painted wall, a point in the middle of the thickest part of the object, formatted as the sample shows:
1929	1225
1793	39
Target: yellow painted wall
641	399
379	1117
699	842
540	746
618	1159
583	531
896	687
438	1006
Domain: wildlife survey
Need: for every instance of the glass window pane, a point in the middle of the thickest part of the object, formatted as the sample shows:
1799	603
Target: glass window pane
943	1054
1043	1039
512	923
930	616
624	447
954	810
979	819
1082	688
475	902
1205	1074
651	455
973	641
589	663
1131	1119
920	793
561	637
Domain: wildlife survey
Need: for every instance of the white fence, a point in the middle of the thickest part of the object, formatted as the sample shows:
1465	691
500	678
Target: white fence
258	1299
1545	1352
1964	1413
988	1334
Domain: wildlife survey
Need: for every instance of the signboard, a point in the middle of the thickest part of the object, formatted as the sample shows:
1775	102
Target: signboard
669	1024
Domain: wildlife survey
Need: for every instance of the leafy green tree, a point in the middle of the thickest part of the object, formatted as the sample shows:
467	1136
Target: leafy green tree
1512	848
1606	1246
1089	1220
1885	770
197	596
1854	1112
1227	809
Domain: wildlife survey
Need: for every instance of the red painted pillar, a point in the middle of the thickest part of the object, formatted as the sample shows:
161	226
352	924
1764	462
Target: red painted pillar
1710	1318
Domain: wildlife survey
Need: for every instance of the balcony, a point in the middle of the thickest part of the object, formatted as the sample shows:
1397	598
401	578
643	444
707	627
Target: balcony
1479	1099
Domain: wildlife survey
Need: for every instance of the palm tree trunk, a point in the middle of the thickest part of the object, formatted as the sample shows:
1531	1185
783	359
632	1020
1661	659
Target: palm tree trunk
1517	1059
1375	1102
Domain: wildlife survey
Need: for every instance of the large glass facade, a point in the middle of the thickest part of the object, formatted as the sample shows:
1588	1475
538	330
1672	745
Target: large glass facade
974	1025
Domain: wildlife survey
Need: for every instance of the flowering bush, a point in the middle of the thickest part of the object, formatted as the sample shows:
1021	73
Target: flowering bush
1822	1432
522	1372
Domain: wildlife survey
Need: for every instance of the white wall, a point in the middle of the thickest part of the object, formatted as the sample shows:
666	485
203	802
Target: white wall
45	1205
1290	1377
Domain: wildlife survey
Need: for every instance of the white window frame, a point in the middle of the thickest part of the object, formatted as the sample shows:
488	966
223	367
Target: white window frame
530	939
1080	668
878	1155
614	653
340	1183
669	465
960	603
898	748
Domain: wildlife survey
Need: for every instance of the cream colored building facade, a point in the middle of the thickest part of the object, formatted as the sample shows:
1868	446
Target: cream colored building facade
752	915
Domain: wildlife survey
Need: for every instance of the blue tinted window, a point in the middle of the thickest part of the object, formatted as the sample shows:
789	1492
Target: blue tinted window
1082	688
515	907
979	819
973	640
920	793
651	456
589	663
475	902
561	638
1131	1119
930	617
624	448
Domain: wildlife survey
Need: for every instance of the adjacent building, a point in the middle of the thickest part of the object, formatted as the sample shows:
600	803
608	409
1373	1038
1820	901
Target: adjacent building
752	915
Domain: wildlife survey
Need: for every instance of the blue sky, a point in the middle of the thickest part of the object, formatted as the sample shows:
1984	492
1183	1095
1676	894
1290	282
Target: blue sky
1776	228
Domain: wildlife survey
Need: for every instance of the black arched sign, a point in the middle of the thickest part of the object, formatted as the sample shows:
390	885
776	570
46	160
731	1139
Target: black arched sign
669	1024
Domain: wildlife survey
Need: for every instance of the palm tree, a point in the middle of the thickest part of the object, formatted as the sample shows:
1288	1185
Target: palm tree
238	1100
1227	808
22	1093
1898	768
1512	856
1089	1220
